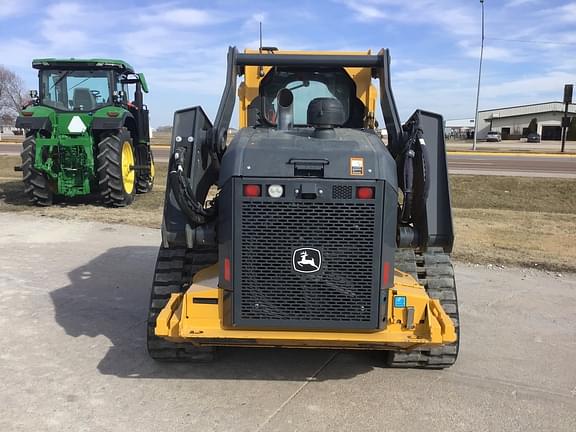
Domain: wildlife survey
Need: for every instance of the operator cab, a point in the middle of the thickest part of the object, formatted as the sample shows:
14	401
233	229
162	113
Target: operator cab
305	87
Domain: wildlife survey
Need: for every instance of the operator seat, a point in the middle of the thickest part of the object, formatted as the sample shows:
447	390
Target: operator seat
83	97
357	114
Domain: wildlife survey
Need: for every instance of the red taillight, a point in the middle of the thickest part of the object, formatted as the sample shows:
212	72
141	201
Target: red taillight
27	113
227	271
365	192
112	114
385	274
252	190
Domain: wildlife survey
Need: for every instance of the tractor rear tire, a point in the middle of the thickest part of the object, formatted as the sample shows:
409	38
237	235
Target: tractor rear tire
175	268
145	178
36	185
116	172
435	272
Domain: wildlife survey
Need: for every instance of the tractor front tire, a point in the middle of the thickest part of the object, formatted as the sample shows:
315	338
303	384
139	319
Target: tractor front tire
116	169
36	184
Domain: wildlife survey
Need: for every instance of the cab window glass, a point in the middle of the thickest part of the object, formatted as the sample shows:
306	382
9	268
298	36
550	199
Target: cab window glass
75	90
305	87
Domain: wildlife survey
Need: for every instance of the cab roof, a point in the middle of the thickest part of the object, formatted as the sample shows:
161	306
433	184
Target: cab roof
94	63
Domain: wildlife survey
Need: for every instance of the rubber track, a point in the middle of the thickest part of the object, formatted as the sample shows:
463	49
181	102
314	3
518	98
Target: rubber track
110	171
35	183
435	272
175	268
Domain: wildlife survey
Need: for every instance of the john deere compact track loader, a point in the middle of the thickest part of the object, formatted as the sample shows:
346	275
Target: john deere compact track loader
321	235
85	134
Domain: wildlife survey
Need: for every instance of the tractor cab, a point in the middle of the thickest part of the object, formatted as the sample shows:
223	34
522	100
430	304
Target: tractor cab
73	85
86	85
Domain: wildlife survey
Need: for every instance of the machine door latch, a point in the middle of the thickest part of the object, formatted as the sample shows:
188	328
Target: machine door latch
308	191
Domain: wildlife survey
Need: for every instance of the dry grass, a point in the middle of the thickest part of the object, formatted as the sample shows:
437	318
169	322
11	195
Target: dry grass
534	239
161	138
499	220
551	195
145	211
515	220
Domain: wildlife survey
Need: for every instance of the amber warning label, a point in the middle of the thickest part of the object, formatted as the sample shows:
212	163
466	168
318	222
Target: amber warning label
357	166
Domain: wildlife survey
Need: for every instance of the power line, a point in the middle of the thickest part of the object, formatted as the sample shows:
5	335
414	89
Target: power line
531	41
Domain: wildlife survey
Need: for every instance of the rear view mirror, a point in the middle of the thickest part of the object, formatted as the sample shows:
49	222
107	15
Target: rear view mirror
143	82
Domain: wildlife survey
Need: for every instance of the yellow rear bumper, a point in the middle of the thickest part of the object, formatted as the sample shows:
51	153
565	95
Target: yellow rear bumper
422	323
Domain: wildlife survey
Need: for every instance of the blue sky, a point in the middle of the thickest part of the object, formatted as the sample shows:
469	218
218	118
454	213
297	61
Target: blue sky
181	45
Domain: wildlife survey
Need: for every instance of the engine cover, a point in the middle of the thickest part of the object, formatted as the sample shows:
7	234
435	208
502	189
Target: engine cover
312	258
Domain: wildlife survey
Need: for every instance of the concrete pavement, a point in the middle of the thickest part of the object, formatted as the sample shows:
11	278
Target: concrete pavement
72	323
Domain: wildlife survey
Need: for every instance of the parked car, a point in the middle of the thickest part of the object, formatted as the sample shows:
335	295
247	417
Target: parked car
493	136
533	137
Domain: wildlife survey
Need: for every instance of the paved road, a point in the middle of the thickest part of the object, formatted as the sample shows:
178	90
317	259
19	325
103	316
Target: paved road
72	322
458	162
517	165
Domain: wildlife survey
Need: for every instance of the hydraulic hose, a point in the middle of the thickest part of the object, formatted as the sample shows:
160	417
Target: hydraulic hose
415	145
408	185
425	164
196	213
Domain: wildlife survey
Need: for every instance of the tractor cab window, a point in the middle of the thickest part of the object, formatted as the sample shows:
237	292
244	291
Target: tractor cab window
119	86
75	90
305	86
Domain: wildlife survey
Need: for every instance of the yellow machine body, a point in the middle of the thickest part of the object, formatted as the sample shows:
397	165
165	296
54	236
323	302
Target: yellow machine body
253	76
195	316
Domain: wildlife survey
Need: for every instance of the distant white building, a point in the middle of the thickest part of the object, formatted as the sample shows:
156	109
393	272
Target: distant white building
513	122
466	123
459	128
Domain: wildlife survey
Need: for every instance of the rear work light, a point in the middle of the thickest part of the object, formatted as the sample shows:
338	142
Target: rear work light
27	113
112	114
365	192
252	190
275	191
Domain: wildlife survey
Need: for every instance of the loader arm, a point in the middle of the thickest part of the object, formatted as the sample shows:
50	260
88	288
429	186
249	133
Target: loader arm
192	170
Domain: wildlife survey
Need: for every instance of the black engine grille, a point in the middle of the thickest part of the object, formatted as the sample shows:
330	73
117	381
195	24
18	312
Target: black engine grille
344	293
342	192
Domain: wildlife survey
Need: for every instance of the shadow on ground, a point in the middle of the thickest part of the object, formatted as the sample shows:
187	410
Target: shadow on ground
109	297
12	192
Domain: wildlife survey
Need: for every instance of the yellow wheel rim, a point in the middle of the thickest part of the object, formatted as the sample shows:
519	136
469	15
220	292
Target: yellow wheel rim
152	171
128	173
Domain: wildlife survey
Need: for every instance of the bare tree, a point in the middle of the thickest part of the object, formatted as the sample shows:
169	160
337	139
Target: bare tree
12	93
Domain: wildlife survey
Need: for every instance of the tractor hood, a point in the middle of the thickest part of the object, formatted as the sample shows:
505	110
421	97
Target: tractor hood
37	118
41	117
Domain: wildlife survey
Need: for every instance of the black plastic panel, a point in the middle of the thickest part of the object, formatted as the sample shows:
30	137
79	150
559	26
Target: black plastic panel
344	293
434	219
189	132
342	191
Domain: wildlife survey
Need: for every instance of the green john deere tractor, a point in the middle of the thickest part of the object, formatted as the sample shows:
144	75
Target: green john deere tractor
87	132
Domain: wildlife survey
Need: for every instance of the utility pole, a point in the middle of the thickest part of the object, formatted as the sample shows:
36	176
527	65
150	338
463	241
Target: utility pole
479	78
568	89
